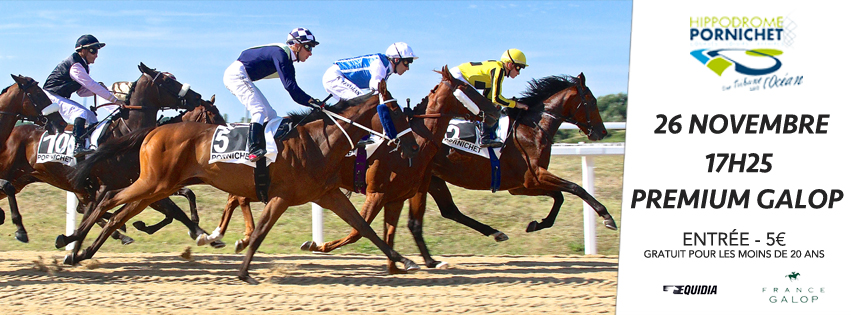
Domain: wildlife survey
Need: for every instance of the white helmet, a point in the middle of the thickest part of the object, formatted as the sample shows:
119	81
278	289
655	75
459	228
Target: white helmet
400	50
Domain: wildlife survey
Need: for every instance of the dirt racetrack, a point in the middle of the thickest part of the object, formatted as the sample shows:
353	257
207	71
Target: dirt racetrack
113	283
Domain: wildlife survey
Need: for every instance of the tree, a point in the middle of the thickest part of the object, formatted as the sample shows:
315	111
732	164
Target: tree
613	107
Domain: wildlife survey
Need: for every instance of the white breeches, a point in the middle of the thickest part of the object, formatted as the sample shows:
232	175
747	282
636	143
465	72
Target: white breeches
337	85
238	83
468	103
71	110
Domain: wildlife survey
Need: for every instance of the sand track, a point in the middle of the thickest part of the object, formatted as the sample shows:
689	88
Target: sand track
31	282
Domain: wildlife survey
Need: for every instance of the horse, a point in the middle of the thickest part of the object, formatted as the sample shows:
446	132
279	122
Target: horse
153	90
175	155
391	182
23	100
524	161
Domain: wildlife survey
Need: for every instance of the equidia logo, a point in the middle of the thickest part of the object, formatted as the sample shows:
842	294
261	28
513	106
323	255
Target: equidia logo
718	60
691	289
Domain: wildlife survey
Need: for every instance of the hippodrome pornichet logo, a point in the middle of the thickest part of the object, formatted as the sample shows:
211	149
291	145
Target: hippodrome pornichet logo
749	46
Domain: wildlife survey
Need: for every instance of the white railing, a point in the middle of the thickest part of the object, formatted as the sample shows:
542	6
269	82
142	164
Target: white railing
588	151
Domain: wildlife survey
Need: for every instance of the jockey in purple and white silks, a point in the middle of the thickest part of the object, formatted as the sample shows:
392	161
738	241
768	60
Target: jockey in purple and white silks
268	62
72	75
352	77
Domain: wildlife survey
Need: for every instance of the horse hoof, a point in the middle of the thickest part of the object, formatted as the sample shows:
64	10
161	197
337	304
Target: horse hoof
202	240
126	240
139	225
499	236
442	265
610	224
22	236
239	246
69	260
218	244
306	246
532	227
2	217
411	266
61	241
248	279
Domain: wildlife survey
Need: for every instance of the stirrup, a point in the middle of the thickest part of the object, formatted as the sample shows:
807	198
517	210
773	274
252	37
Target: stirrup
255	156
364	143
490	143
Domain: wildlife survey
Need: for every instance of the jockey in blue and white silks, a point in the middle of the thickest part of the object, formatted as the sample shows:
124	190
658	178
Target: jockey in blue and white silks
268	62
352	77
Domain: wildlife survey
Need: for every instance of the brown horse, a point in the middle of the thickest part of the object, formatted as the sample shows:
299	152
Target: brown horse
23	100
307	170
553	100
525	158
391	182
152	91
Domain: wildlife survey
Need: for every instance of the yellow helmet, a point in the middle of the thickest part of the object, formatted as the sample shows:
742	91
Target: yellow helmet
514	55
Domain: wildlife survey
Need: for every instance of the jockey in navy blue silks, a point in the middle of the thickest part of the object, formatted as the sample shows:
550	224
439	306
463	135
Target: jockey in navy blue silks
267	62
72	75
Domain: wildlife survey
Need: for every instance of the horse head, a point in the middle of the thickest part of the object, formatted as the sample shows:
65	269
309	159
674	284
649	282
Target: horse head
206	113
167	92
33	105
442	96
567	99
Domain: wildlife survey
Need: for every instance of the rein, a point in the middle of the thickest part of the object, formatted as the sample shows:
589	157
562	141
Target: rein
333	115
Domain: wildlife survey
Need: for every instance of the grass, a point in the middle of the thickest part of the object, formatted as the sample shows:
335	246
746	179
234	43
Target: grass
42	208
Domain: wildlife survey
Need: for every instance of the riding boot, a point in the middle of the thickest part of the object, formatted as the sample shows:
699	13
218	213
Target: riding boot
256	142
80	137
488	137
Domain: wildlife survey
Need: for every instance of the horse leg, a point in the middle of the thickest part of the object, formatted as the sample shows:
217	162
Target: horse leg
443	197
274	209
371	207
337	202
392	211
85	206
120	217
549	181
193	206
168	208
9	190
245	205
417	207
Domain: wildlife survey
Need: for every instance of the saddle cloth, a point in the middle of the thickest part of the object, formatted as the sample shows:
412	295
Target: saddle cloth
462	135
59	148
230	143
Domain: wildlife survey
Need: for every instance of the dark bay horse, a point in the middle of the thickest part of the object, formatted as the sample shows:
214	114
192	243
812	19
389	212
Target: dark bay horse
175	155
391	182
525	157
23	100
153	91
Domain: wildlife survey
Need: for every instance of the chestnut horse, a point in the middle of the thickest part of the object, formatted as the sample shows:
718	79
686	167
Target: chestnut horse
391	182
152	91
23	100
525	158
175	155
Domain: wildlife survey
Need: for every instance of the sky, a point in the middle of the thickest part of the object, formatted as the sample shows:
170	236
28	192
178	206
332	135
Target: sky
197	40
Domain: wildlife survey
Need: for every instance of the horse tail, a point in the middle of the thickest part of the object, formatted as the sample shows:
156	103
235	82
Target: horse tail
109	149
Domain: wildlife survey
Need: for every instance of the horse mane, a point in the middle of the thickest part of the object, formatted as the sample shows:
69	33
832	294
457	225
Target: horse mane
539	90
309	115
6	89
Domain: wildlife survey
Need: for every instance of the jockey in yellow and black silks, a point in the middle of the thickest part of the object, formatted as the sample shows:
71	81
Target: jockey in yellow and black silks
487	77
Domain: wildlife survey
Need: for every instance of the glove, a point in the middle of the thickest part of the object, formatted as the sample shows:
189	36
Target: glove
316	103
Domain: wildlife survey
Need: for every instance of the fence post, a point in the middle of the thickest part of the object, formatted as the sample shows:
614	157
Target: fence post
318	221
590	215
70	216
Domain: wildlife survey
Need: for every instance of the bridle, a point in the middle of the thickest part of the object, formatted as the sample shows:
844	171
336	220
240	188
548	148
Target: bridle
180	95
582	104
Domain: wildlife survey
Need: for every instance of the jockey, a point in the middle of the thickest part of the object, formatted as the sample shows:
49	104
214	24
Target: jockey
352	77
487	76
72	75
267	62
